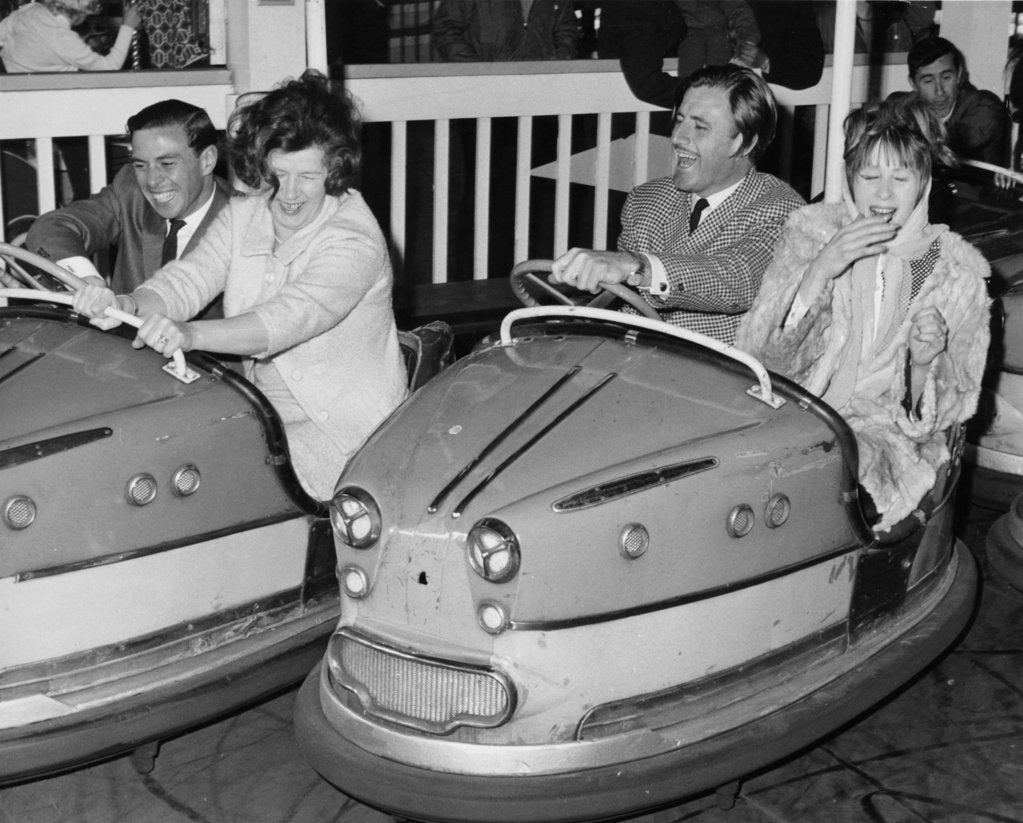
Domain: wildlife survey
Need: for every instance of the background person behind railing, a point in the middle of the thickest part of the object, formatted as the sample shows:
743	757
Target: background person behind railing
466	31
975	119
38	37
717	31
175	35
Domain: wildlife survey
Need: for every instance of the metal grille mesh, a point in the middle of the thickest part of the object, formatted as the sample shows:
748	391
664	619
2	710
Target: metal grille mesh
427	692
20	513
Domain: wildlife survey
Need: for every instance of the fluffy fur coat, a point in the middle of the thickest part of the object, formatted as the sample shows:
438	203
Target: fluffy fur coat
898	454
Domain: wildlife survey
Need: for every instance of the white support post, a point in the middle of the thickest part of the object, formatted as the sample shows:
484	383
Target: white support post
841	96
316	35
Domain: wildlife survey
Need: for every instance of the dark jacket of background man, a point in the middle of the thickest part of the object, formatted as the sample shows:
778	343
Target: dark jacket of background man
494	30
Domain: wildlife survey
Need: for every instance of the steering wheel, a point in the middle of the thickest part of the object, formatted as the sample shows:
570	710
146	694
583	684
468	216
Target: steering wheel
11	254
523	273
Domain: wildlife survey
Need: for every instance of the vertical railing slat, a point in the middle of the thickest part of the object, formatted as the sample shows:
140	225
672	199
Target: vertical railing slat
562	186
641	169
97	162
523	152
441	198
820	148
3	217
786	132
603	179
481	215
47	179
399	185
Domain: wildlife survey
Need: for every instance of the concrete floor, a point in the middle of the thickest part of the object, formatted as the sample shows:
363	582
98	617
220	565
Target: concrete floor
949	748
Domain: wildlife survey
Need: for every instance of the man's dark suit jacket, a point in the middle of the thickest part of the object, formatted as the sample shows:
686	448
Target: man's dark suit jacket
117	216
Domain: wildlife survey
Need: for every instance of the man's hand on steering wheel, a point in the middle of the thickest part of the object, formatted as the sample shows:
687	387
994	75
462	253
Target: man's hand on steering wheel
523	276
589	270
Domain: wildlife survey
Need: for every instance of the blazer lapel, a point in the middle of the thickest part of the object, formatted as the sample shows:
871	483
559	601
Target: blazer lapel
155	228
716	219
220	197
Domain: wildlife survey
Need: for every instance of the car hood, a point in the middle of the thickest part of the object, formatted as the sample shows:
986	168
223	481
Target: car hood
571	440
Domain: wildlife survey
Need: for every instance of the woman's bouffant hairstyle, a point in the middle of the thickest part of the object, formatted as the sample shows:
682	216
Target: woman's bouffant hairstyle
902	129
297	115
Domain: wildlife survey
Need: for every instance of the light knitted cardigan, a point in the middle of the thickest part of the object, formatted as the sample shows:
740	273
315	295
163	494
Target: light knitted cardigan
898	454
324	297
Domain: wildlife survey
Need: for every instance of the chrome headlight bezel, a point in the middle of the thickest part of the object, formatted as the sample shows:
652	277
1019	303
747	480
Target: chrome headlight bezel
493	550
355	517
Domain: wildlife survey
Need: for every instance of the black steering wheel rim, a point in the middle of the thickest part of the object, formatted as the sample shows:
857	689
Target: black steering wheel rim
64	277
523	273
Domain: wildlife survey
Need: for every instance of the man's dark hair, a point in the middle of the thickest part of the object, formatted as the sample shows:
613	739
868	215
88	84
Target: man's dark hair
751	100
926	51
194	120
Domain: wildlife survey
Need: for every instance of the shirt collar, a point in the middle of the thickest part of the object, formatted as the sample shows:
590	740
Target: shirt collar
716	199
193	220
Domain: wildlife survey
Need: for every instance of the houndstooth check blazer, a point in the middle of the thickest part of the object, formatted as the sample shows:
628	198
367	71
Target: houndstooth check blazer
715	273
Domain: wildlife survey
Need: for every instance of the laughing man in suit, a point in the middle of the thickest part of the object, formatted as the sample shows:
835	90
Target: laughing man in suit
156	208
696	244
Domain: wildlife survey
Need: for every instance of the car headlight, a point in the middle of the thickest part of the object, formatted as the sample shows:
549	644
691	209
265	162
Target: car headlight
493	550
355	517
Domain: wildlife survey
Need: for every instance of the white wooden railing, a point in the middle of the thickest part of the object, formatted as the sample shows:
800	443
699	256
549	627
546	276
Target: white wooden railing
39	108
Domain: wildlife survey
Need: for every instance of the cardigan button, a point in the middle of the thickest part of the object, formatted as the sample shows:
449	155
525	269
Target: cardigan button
296	375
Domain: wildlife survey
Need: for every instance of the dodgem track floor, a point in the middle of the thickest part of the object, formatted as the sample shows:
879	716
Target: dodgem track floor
946	748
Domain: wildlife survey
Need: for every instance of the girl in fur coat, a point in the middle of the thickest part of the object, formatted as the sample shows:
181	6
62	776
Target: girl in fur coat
880	313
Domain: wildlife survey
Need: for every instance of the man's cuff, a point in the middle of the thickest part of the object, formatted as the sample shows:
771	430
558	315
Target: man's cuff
659	286
80	267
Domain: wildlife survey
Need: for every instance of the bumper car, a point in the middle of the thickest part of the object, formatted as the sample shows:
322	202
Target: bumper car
601	564
161	566
990	218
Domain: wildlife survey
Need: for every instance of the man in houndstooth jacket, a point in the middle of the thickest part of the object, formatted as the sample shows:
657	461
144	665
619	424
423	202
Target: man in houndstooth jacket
696	244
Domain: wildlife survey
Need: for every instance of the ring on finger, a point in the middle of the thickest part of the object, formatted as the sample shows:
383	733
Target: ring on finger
161	341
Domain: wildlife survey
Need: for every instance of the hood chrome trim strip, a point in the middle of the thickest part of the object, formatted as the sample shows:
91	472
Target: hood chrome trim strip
500	438
457	512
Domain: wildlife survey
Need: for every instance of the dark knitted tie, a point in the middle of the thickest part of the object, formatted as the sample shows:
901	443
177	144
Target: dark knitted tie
170	242
694	218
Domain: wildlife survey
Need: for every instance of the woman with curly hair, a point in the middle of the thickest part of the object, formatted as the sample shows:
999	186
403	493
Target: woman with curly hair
38	37
305	275
878	311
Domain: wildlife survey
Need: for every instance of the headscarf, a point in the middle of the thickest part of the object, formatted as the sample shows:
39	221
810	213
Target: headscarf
873	336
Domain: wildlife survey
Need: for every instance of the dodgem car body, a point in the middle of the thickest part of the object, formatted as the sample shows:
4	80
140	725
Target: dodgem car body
992	219
601	564
160	565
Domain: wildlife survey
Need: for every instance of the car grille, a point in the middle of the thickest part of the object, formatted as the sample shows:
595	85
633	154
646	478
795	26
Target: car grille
431	695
